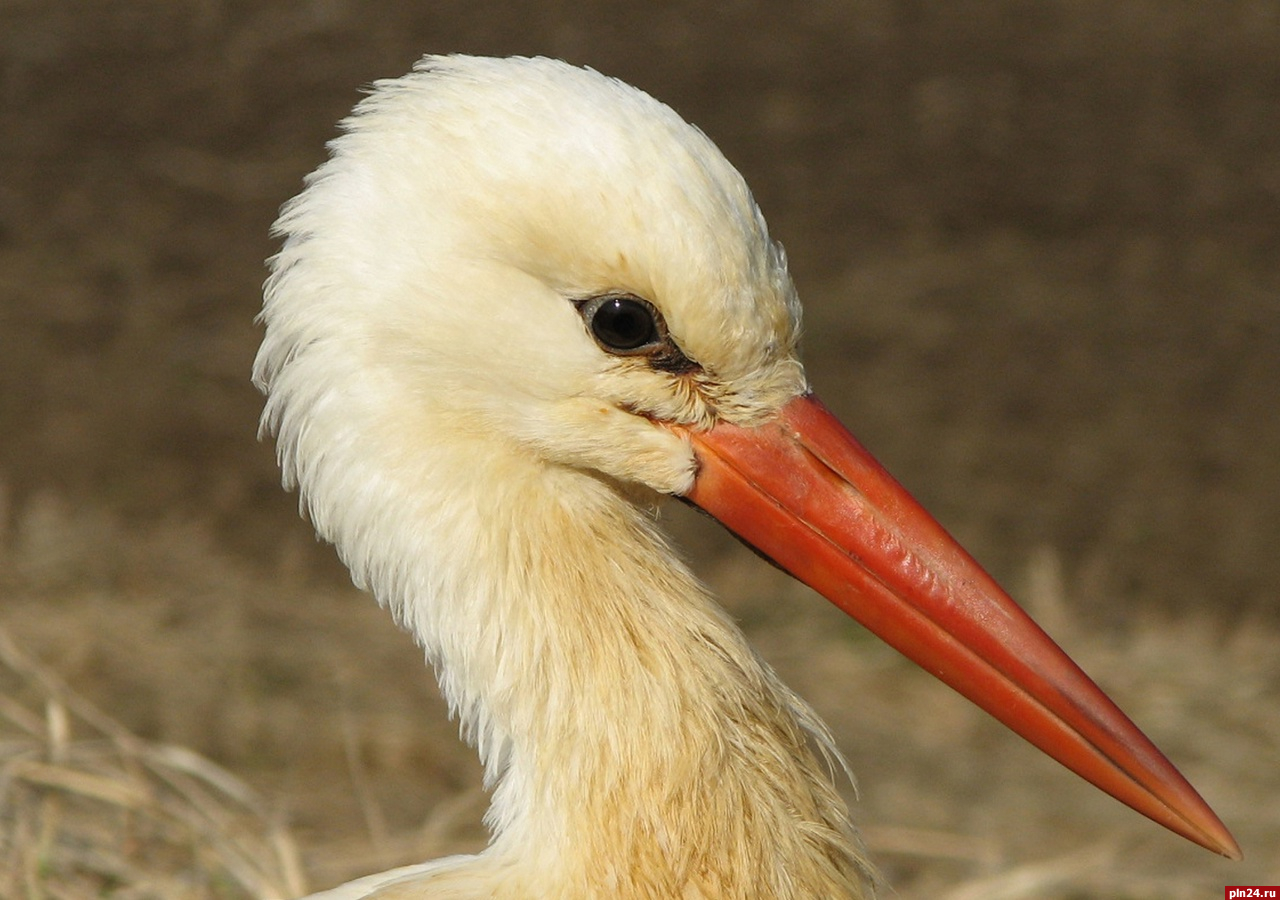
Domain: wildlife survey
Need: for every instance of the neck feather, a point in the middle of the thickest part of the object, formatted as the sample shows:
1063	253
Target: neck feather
636	745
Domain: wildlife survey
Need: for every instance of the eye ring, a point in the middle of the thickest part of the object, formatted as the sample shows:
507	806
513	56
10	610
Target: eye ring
624	324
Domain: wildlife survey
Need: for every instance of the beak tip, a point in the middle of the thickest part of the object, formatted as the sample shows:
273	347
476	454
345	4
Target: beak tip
1202	826
1227	846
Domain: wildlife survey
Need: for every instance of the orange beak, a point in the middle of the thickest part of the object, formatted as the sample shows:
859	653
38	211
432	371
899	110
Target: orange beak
804	492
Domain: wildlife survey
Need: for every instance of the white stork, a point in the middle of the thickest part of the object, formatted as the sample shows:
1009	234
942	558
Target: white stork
520	305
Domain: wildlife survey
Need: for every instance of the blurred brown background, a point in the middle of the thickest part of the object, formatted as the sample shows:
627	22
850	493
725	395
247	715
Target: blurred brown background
1038	247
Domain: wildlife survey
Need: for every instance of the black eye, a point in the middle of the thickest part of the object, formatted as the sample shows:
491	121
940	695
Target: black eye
622	323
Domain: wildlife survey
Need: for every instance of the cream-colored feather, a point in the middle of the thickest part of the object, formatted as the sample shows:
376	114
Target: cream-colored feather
490	474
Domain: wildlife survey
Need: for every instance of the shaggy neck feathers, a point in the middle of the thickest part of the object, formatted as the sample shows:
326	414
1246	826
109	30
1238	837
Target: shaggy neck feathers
637	747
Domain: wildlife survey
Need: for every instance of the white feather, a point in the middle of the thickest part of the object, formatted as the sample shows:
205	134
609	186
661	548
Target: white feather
489	473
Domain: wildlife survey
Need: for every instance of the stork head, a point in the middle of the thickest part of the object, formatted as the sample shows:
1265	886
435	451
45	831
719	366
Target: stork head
525	255
547	254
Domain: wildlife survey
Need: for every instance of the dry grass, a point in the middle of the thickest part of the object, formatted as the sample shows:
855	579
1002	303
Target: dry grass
89	809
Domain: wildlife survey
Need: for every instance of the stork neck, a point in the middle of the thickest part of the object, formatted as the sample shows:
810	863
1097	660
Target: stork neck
626	725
